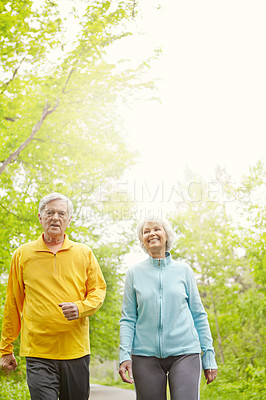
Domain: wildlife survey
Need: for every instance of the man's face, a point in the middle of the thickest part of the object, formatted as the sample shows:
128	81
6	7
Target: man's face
54	218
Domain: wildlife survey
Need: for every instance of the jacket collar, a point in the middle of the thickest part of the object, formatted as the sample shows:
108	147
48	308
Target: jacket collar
163	262
41	246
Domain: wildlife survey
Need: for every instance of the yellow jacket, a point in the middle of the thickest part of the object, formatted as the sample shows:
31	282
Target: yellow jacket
39	280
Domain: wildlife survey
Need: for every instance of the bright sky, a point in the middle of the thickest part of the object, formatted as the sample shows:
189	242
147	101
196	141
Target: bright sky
214	89
212	86
213	92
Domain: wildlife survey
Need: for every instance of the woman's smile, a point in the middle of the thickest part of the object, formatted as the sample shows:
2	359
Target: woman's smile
154	239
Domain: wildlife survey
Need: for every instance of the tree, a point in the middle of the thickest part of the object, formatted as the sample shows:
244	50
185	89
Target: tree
61	128
214	239
253	212
206	241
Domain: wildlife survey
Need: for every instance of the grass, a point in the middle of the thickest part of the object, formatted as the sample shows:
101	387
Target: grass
15	388
218	390
11	389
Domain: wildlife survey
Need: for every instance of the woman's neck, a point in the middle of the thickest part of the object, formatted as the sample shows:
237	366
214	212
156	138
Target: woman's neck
157	255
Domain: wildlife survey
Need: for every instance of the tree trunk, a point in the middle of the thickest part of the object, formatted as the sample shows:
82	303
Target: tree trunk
220	346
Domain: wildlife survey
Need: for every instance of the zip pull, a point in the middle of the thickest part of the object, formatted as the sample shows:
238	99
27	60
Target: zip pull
159	263
55	267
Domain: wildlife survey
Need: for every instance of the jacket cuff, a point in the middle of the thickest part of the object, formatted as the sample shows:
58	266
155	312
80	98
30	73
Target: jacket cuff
124	356
208	360
6	348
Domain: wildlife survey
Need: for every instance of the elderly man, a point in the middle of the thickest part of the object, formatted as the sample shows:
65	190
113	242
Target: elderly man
54	285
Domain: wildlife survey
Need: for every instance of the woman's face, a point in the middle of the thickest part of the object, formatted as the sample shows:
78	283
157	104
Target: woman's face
154	239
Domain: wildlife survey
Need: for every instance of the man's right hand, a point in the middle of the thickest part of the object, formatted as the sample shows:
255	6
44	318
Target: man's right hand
8	362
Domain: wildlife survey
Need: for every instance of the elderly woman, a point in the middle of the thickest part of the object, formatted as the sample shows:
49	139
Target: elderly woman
164	327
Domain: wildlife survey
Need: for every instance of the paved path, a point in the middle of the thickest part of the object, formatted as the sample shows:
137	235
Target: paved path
99	392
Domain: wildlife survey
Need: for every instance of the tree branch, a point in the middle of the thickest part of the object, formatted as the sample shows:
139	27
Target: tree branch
220	346
133	8
10	119
46	111
13	76
13	156
71	71
67	80
15	215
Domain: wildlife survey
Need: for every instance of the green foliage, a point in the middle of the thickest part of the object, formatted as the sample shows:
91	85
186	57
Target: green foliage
104	331
26	32
245	388
254	212
227	255
13	384
13	390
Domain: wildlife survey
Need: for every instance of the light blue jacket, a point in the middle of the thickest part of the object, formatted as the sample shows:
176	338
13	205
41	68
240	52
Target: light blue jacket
162	313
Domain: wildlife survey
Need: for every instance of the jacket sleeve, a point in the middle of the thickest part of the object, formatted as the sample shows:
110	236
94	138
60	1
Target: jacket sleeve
95	289
201	322
13	306
128	319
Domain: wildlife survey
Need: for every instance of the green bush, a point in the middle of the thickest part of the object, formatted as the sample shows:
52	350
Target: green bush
11	389
243	389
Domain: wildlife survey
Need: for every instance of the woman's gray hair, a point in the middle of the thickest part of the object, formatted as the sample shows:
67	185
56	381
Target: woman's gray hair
55	196
170	234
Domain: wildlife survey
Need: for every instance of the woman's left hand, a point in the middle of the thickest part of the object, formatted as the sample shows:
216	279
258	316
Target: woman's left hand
210	375
126	366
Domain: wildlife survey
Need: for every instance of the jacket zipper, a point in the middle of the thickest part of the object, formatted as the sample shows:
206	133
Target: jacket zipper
55	267
160	310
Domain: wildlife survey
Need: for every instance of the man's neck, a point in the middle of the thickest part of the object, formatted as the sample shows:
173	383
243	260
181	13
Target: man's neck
53	240
53	244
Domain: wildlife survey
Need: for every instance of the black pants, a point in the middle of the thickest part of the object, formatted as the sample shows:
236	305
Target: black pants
182	372
64	379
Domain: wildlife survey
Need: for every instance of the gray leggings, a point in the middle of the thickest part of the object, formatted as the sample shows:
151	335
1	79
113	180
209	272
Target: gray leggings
183	372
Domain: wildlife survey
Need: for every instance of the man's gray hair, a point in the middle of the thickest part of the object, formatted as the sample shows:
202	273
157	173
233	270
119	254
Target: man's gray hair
170	234
55	196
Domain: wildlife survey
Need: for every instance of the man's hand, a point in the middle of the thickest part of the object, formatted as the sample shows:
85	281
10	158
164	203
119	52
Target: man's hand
70	310
126	366
8	362
210	375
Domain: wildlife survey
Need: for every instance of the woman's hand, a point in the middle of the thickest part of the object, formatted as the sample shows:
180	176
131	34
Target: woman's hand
126	367
210	375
